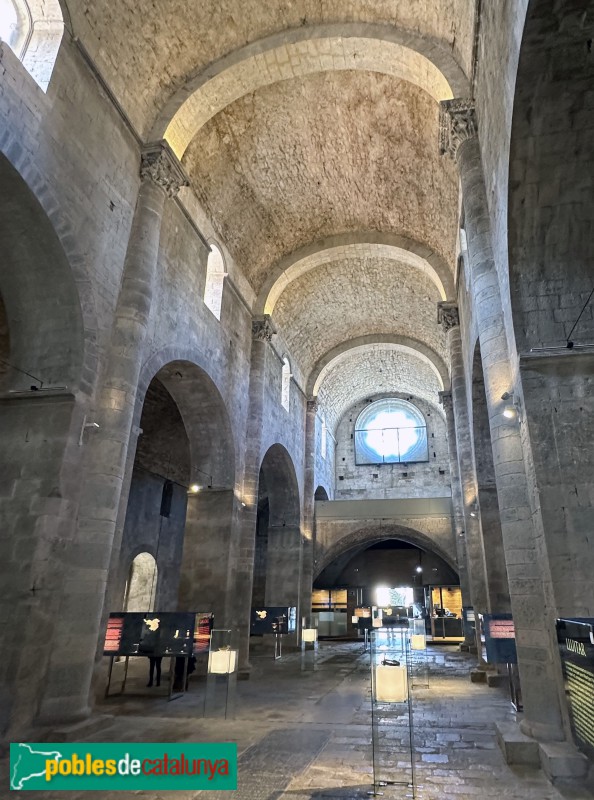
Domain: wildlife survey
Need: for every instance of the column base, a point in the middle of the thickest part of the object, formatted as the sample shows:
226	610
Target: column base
559	760
541	731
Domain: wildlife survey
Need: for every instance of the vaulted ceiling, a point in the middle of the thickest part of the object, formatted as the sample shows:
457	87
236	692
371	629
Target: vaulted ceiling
309	132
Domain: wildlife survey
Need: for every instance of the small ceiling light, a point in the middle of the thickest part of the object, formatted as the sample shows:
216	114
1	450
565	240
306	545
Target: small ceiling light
473	513
242	504
419	568
194	488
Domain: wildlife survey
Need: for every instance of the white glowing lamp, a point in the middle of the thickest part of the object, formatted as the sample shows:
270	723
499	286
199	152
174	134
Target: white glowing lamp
309	635
222	662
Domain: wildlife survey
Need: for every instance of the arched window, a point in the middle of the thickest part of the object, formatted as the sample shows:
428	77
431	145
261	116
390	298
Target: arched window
390	431
286	384
142	584
324	442
215	278
33	30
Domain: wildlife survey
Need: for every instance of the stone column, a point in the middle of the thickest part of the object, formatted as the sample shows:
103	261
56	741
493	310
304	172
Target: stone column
445	398
307	538
447	315
525	551
262	333
94	551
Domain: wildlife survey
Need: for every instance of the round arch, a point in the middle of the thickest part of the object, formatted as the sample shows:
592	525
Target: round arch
277	562
280	483
42	307
302	51
368	343
202	408
364	537
387	245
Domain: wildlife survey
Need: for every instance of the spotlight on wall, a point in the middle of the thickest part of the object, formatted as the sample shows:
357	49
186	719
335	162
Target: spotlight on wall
419	568
510	409
242	504
194	488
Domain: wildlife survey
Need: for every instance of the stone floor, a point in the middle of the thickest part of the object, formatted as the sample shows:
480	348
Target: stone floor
305	734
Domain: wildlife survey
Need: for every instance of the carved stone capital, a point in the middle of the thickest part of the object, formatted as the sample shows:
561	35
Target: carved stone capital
447	315
312	405
457	124
159	164
445	398
262	329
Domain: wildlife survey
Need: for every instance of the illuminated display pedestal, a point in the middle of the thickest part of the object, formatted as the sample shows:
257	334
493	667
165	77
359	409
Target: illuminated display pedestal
221	681
309	648
419	667
391	707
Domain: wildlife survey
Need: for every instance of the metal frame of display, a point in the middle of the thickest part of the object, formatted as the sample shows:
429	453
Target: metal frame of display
391	644
419	666
221	681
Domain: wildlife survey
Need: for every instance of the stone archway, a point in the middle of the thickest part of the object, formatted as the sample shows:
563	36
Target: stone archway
278	536
42	388
372	534
184	471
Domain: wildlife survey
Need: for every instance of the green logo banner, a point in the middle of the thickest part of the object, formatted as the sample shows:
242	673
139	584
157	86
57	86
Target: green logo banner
130	767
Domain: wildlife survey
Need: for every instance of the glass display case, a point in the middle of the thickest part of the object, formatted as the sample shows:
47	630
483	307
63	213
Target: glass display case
221	681
419	666
391	711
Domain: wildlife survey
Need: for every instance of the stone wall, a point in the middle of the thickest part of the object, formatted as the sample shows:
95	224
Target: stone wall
422	479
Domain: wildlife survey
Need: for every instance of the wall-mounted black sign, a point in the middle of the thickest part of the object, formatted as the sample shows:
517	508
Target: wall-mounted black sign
500	639
575	637
157	633
273	619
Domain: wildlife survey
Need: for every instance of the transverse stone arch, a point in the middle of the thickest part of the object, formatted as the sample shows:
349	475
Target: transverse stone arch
399	248
368	535
362	343
43	312
302	51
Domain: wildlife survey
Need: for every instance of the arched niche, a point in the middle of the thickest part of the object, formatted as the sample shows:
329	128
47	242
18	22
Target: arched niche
278	533
321	495
41	317
192	442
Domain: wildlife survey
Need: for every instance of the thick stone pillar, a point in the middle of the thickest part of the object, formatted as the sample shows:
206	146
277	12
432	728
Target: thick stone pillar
446	401
447	315
239	615
94	551
525	550
307	539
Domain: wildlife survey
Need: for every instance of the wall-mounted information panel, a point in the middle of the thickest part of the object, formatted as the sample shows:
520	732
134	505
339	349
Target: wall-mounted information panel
273	619
157	633
575	637
500	638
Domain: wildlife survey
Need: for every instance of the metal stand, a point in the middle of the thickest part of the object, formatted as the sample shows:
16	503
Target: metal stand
391	700
515	691
278	646
123	686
